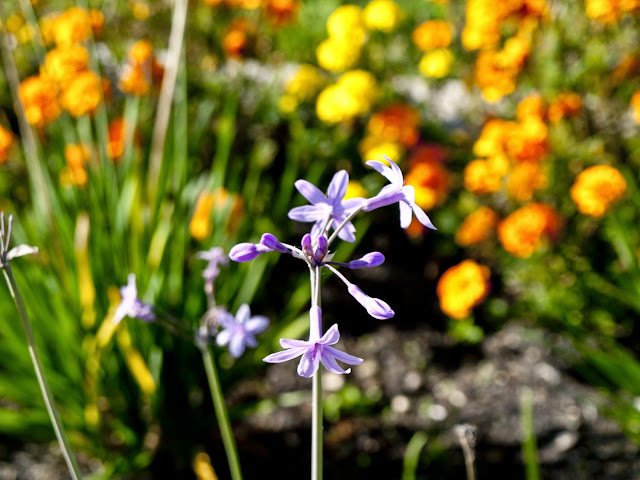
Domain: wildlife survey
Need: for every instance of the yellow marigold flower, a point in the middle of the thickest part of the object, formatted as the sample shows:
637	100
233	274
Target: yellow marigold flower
463	287
525	179
431	183
604	11
485	176
83	94
288	104
305	84
39	96
597	188
530	106
141	53
432	34
346	23
566	104
336	55
494	78
482	28
635	105
140	10
355	190
477	227
200	225
362	86
373	148
523	232
6	141
492	138
335	105
47	26
72	26
382	15
395	122
97	21
62	64
73	177
437	63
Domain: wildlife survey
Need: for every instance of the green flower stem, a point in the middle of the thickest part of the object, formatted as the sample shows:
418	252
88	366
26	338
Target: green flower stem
221	413
67	453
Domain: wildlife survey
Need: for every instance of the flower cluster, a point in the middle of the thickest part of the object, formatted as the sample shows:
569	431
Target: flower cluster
331	212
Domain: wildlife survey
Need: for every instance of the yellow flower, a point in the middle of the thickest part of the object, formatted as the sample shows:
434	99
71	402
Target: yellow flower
485	176
62	64
134	80
362	86
432	34
604	11
463	287
477	227
72	26
141	53
352	95
530	106
39	97
336	55
374	148
525	179
6	141
200	225
355	190
83	94
522	233
437	63
346	23
597	188
74	173
382	15
305	84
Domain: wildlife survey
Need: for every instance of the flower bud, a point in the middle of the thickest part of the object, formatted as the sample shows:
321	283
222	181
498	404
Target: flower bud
244	252
370	260
270	241
375	307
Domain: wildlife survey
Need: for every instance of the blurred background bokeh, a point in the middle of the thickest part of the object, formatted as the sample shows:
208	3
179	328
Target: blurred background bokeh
128	145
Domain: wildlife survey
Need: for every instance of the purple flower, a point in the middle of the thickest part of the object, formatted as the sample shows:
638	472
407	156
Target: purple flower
245	252
375	307
370	260
216	257
327	211
239	332
315	350
130	305
396	192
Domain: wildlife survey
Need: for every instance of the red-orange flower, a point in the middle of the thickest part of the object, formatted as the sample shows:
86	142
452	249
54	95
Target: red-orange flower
523	232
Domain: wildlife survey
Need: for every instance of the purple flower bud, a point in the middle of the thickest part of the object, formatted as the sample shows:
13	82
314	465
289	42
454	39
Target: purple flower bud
270	241
307	246
370	260
375	307
322	249
244	252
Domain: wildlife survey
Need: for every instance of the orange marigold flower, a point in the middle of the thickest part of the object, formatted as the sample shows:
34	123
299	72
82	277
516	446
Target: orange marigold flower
97	21
523	232
485	176
72	26
493	76
134	80
428	152
492	139
431	183
604	11
432	34
530	106
235	41
77	155
141	53
635	105
83	94
566	104
597	188
281	12
477	226
463	287
6	141
39	96
200	225
528	140
62	64
396	122
525	179
115	147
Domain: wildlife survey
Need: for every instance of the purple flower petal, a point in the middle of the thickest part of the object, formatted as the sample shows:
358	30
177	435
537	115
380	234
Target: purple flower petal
270	241
344	357
338	187
245	252
331	336
223	337
284	355
309	191
308	363
375	307
330	363
237	345
370	260
256	325
310	213
289	343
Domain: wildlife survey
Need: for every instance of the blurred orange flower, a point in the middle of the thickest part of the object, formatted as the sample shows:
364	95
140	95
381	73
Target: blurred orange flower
477	226
72	26
530	106
463	287
565	105
83	94
635	105
432	34
523	232
62	64
395	122
597	188
115	147
281	12
485	175
39	96
200	225
524	179
236	41
528	140
431	183
6	141
76	155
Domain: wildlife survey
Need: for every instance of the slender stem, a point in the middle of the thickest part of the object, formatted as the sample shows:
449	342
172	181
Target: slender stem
342	225
466	437
221	414
316	395
67	453
165	98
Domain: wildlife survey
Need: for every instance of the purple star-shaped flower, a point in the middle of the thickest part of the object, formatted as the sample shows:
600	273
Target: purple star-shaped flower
239	331
396	192
130	305
327	211
316	350
215	257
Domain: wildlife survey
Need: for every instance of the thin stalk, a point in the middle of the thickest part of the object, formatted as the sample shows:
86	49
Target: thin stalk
529	446
466	436
221	414
67	453
342	225
316	395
